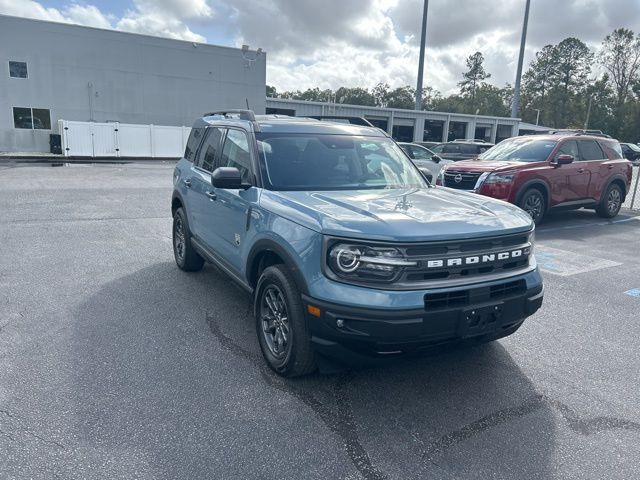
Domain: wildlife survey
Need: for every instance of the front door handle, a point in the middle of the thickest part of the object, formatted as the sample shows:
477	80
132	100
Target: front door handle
211	195
581	170
610	167
187	182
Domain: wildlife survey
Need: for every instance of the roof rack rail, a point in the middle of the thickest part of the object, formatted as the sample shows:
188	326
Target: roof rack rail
242	114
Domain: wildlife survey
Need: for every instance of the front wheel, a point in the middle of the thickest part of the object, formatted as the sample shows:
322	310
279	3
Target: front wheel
534	204
185	255
611	202
281	325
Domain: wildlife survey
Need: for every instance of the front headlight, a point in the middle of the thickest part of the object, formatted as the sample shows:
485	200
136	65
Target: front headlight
362	262
499	178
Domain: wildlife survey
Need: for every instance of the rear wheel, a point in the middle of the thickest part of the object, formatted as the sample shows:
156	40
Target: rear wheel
281	325
533	202
185	255
611	202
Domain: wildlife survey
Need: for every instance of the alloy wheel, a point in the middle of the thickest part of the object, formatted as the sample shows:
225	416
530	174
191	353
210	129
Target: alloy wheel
613	201
533	205
179	238
275	321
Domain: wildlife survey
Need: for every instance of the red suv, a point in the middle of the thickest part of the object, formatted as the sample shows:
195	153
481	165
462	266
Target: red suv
541	172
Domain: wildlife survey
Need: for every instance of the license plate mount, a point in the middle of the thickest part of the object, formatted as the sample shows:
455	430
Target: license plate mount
480	320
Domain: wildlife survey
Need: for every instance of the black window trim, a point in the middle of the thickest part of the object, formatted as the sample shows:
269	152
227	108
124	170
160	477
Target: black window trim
252	152
196	163
17	61
50	129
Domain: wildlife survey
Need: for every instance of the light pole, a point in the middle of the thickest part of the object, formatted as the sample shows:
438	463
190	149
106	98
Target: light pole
538	110
515	104
423	40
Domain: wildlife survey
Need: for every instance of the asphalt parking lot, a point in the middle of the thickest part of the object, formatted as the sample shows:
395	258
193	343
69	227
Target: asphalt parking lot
115	364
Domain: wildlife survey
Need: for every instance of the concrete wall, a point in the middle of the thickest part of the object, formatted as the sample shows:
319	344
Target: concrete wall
394	116
82	73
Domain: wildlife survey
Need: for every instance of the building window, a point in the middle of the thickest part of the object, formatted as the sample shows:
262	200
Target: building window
32	118
18	69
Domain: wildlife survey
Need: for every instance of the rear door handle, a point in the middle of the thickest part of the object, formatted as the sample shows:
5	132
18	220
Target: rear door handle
211	195
610	167
187	182
581	170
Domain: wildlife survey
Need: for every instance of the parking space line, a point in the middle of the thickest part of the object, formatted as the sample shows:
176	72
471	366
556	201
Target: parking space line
566	263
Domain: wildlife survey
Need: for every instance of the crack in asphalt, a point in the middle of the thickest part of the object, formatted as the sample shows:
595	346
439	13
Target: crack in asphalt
339	420
576	423
19	423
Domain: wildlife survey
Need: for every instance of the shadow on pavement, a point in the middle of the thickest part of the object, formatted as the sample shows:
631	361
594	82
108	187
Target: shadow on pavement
171	383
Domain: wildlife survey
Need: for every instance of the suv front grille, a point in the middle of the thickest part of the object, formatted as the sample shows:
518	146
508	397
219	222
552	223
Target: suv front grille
461	180
465	260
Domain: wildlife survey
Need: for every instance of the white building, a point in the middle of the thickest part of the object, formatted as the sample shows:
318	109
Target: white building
408	125
58	71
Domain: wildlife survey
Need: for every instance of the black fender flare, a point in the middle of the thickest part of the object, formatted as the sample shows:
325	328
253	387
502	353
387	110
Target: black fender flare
270	245
177	196
534	183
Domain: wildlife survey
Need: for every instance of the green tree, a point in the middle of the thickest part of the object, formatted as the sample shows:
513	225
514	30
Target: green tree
355	96
473	78
272	92
401	97
620	55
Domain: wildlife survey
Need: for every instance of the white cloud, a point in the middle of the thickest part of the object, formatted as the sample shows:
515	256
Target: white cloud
30	9
87	15
331	43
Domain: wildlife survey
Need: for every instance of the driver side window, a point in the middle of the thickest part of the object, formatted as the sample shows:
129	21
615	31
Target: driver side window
568	148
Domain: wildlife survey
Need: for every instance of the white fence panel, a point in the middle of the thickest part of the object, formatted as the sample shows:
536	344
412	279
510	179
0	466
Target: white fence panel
134	140
104	139
166	141
111	140
77	140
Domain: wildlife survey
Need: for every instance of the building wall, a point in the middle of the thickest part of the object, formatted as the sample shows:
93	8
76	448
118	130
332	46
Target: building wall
400	122
89	74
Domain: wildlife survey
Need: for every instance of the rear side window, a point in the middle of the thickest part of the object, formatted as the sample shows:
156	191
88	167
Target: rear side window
207	155
590	150
613	150
195	137
451	148
469	149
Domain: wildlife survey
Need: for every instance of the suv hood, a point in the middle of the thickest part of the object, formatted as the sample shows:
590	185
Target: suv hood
435	213
489	166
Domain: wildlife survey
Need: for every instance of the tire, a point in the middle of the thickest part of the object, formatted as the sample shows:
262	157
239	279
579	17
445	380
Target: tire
281	325
185	255
611	202
534	203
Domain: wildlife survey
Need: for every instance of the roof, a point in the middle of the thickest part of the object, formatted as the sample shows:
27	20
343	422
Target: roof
560	136
285	124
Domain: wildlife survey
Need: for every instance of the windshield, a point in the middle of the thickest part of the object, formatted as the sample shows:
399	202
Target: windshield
334	162
523	149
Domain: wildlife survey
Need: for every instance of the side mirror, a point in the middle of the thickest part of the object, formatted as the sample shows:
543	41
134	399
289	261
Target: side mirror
436	158
564	160
227	178
426	173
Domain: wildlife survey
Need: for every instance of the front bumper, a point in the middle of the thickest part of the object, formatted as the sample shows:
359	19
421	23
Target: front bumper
478	313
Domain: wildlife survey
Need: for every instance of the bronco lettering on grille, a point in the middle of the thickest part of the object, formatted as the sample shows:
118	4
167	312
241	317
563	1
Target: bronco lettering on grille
478	259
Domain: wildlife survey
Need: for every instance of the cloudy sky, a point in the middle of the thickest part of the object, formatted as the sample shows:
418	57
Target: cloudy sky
330	43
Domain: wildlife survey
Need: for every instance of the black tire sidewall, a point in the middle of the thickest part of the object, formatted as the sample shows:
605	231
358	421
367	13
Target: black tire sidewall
527	194
299	337
603	210
180	213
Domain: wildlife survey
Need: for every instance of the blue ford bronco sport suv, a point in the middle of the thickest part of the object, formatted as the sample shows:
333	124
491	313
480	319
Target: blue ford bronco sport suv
347	249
